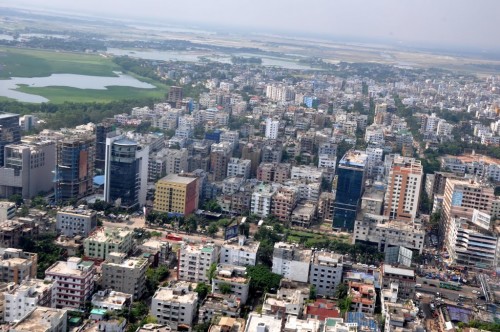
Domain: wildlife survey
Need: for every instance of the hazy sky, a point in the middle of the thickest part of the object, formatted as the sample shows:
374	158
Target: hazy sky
471	23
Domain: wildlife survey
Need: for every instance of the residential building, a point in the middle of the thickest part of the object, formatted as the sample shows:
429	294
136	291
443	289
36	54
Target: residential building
74	282
167	161
10	132
404	277
175	94
326	272
76	221
232	185
272	128
263	322
380	231
403	189
177	194
17	265
273	172
291	262
195	261
284	203
219	159
125	275
28	168
289	299
349	186
325	207
106	240
111	300
308	173
231	279
219	305
239	167
372	200
252	153
175	305
224	323
43	319
31	293
126	172
7	211
304	214
239	251
262	198
363	297
74	171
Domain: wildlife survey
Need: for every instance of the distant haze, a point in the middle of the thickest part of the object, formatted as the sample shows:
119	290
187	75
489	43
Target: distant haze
471	24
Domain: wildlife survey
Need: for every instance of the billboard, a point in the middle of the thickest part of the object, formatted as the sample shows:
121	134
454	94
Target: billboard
231	232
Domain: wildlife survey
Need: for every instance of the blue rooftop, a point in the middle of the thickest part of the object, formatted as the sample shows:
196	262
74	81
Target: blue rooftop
99	180
363	321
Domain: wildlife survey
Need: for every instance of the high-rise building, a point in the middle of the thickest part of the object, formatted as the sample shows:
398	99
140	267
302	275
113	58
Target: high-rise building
174	94
272	127
252	153
219	159
291	262
349	187
125	275
178	194
72	222
126	172
102	130
195	261
283	203
28	168
403	189
10	132
74	176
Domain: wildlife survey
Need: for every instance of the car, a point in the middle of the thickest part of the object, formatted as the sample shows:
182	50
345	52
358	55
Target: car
418	285
476	292
432	285
460	304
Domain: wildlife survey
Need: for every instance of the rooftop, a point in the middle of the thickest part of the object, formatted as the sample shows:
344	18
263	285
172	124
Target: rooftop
398	270
105	234
354	158
39	320
112	297
327	258
270	321
174	178
179	292
73	267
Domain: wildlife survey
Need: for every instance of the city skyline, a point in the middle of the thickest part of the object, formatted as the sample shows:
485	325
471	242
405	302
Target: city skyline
405	23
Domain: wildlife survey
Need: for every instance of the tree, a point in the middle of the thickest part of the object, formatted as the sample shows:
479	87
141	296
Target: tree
211	271
225	288
312	292
203	327
38	201
262	278
16	198
344	305
202	289
341	290
213	229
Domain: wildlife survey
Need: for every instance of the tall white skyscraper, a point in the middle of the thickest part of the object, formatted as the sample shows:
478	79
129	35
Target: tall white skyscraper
272	127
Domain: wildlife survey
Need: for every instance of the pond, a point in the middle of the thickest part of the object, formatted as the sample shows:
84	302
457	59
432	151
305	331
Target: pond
8	87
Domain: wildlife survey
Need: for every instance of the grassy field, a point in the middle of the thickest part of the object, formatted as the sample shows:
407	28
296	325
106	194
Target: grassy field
16	62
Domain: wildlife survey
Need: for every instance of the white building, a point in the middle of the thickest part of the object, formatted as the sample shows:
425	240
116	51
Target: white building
231	185
74	282
261	199
7	211
175	305
326	272
43	319
76	221
26	297
195	261
239	251
291	262
272	127
326	161
111	300
374	159
235	277
309	173
239	167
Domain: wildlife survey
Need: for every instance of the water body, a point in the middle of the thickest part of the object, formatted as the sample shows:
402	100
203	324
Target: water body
194	56
8	87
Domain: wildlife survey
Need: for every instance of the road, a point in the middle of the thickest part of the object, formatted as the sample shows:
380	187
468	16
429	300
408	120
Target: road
449	294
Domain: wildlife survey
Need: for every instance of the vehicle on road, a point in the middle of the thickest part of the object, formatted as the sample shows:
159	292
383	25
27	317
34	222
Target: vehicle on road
418	285
476	292
450	285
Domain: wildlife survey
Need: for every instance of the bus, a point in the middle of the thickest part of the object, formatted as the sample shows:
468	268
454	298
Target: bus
450	285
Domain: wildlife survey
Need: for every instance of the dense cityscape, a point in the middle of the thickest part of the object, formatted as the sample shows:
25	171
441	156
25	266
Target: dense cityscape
335	197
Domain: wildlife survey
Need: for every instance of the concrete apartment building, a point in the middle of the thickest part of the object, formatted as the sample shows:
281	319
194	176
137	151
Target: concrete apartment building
461	197
167	161
273	172
175	305
27	168
7	211
363	297
308	173
105	240
326	272
291	262
404	278
125	275
239	251
17	265
21	300
43	319
403	189
10	132
111	300
289	299
74	282
304	214
385	233
76	221
219	159
234	276
262	197
195	261
284	202
178	194
239	167
272	128
219	305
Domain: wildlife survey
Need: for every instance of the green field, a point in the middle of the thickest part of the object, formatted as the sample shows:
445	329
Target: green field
16	62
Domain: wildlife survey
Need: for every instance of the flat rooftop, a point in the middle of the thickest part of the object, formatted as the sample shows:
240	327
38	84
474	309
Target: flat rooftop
354	158
167	294
270	321
40	319
64	268
397	270
177	179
